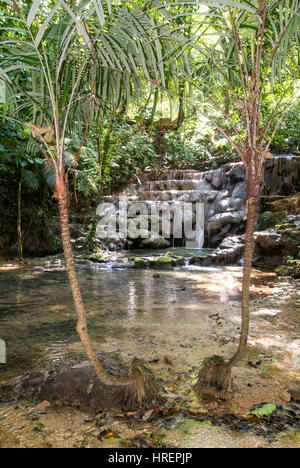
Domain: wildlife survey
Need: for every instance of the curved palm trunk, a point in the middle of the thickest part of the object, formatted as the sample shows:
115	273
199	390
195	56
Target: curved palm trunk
141	384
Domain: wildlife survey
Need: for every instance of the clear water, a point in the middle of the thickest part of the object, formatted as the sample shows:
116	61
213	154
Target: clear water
37	318
133	313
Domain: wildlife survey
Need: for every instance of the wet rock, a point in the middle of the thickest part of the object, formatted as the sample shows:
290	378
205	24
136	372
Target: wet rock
240	191
230	251
76	386
273	245
219	220
236	171
269	240
295	394
155	243
163	262
140	262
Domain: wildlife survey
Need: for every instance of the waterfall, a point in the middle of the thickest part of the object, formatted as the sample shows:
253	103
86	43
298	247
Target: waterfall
219	195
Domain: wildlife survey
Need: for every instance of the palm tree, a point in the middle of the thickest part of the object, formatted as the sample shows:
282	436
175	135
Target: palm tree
247	72
78	60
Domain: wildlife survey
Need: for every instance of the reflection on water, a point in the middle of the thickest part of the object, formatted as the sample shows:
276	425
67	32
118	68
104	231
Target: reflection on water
37	315
188	313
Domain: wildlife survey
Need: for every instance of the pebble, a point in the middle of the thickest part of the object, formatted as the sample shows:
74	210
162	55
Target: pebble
285	396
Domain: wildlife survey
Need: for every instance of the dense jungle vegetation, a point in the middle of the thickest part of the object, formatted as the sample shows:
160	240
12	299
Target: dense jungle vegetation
98	94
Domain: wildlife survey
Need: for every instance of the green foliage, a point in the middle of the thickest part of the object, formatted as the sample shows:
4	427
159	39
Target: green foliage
16	158
287	138
264	410
197	148
267	220
290	267
143	60
131	151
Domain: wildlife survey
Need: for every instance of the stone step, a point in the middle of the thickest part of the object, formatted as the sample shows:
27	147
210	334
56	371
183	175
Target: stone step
163	185
173	175
169	196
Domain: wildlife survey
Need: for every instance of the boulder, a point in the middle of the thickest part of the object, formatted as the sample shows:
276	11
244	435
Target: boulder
155	243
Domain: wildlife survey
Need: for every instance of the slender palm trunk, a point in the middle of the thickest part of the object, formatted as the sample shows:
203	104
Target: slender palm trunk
19	221
77	297
253	207
141	386
215	372
155	104
180	117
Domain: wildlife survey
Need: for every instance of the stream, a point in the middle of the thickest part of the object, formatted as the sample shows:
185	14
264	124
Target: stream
187	314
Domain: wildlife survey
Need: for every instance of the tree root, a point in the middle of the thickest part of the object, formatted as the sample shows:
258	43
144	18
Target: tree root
214	379
144	391
80	386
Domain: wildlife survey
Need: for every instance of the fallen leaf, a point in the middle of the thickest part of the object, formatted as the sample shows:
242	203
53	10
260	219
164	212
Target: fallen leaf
147	415
130	414
40	407
168	360
252	418
197	411
158	410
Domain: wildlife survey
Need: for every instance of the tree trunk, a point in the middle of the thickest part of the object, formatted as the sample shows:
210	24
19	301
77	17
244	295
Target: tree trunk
180	117
155	103
215	373
142	387
252	217
19	221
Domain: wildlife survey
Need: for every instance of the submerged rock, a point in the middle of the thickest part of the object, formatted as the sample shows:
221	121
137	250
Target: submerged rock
78	386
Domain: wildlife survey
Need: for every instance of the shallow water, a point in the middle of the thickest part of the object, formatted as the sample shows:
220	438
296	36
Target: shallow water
37	315
182	252
187	313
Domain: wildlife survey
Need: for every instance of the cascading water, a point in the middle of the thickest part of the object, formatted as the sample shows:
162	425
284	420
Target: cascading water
222	192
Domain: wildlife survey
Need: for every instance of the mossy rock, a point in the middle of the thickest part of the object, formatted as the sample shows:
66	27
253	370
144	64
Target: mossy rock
267	220
180	261
165	259
97	258
282	270
291	268
163	262
140	262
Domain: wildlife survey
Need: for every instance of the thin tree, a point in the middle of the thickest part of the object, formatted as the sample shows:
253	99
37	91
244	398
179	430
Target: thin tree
77	60
247	55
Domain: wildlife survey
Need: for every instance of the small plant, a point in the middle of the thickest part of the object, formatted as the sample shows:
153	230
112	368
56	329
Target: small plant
264	410
267	220
290	267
